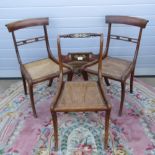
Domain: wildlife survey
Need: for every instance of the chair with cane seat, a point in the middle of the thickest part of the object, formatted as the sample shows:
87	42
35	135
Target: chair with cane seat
116	68
80	96
40	69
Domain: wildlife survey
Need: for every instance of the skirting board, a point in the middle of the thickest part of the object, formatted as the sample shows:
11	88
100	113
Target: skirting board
16	73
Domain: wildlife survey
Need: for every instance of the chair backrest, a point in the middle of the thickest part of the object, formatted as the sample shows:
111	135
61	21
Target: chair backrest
14	26
125	20
81	35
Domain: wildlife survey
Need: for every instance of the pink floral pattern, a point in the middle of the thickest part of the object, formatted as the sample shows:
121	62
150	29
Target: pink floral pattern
79	133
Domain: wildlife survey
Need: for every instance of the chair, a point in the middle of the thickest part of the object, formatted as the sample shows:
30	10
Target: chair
80	96
37	70
117	68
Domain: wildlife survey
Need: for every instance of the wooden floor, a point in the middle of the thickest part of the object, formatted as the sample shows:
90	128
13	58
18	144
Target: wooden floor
148	80
6	83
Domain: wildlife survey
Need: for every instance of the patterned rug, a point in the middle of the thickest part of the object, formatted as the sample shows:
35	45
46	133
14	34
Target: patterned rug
79	133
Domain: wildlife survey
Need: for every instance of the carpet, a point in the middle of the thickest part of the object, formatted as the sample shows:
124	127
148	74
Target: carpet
79	133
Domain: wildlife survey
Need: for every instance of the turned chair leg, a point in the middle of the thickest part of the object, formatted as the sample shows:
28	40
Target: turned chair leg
32	100
107	81
70	76
107	119
122	97
131	81
50	82
55	126
24	84
85	75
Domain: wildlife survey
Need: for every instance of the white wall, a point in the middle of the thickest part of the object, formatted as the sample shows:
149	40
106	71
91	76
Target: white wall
67	16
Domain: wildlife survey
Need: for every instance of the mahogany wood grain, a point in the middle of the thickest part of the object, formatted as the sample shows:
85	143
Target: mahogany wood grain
116	68
38	70
80	96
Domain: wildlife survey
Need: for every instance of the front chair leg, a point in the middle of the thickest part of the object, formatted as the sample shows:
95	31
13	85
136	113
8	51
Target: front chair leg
55	126
32	100
107	81
50	82
70	76
85	75
24	84
107	119
131	81
122	97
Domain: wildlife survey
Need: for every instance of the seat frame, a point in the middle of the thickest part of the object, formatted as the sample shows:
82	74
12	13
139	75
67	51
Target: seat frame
124	20
62	83
34	22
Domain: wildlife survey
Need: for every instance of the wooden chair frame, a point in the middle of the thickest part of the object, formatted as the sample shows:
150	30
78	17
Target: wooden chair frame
26	77
124	20
61	85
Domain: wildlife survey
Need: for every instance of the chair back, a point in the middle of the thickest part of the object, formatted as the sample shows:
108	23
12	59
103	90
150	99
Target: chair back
125	20
27	23
81	36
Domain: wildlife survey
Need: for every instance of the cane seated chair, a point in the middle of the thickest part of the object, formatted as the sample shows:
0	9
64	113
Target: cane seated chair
115	68
40	69
80	96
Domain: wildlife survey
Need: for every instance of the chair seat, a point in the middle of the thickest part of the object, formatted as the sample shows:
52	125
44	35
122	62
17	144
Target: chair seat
42	68
80	96
114	68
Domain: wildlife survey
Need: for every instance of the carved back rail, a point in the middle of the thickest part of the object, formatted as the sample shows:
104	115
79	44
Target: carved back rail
31	40
14	26
125	20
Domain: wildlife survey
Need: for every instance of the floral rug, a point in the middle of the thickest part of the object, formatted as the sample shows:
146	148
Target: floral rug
79	133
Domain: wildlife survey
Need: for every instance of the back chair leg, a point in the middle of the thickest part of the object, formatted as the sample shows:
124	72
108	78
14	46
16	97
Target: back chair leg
107	119
85	75
122	97
107	81
70	76
131	81
50	82
55	126
24	84
32	100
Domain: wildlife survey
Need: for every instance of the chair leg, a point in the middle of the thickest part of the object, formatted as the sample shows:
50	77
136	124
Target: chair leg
131	81
107	81
32	100
24	84
107	118
50	82
122	97
85	75
55	126
70	76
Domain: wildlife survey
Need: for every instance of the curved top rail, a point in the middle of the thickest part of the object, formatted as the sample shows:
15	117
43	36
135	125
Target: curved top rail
27	23
135	21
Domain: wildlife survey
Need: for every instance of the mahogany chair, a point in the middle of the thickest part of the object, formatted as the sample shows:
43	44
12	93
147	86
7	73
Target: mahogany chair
117	68
41	69
80	96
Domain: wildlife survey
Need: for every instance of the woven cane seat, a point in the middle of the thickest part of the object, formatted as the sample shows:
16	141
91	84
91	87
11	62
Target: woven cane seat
42	68
80	96
113	68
